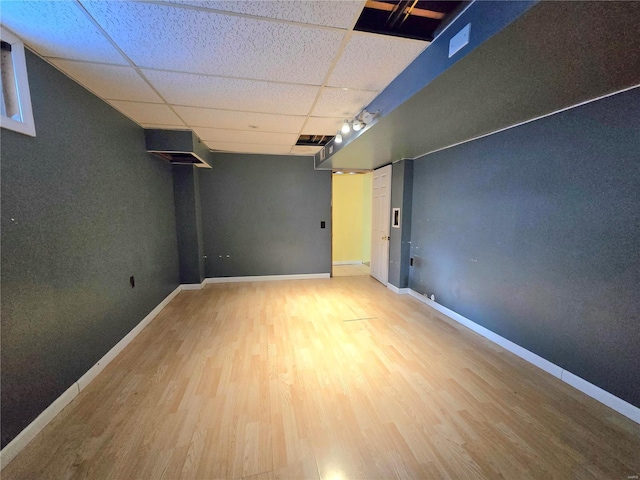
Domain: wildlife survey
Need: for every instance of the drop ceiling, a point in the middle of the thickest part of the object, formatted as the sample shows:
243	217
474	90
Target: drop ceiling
246	76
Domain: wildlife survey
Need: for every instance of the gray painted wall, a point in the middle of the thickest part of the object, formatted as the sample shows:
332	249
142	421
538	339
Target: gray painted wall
186	194
261	215
84	207
533	233
400	242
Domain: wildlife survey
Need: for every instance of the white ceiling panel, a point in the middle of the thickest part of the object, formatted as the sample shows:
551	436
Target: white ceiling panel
233	94
371	62
245	136
198	41
58	29
148	113
338	102
322	125
331	13
226	119
249	148
109	81
305	150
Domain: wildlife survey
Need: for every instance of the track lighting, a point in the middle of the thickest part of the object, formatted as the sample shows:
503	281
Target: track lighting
357	126
338	137
345	127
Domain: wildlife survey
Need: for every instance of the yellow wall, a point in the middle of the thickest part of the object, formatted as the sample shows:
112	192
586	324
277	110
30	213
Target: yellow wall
351	218
367	198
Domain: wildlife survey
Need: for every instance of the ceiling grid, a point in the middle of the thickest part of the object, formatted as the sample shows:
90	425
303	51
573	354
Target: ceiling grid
247	76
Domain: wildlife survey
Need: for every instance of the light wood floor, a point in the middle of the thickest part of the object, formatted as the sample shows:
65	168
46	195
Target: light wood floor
334	379
350	270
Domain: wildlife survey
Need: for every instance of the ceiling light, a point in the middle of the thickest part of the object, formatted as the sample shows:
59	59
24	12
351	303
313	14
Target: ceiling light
352	173
338	137
339	173
345	127
357	126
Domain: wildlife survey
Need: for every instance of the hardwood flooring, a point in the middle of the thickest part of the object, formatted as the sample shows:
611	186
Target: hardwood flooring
350	270
334	379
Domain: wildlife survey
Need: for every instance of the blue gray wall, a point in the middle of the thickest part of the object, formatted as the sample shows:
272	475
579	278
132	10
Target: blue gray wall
400	242
186	194
261	215
534	233
84	207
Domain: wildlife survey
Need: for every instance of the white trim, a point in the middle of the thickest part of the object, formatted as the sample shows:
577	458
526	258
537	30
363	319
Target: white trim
625	408
527	121
85	379
193	286
14	447
347	262
399	291
610	400
266	278
27	126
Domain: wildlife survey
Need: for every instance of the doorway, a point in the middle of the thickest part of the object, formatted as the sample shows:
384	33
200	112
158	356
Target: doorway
351	240
380	228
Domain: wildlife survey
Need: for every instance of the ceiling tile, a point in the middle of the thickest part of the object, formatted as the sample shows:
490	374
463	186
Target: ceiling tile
371	61
109	81
226	119
148	113
305	150
249	148
245	136
198	41
341	14
233	94
58	29
322	125
339	102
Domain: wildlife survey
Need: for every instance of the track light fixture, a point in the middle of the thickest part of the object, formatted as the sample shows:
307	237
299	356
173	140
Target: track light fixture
357	126
345	127
338	137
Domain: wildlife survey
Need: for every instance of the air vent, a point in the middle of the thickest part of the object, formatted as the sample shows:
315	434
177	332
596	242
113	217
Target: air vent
314	140
420	20
181	147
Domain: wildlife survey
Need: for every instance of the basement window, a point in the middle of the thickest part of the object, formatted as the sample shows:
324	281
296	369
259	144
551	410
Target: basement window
15	101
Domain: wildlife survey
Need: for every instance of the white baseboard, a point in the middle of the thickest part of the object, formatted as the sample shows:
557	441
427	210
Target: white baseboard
347	262
193	286
266	278
399	291
625	408
85	379
610	400
14	447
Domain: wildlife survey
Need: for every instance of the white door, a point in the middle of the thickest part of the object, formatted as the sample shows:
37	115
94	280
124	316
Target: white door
380	223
